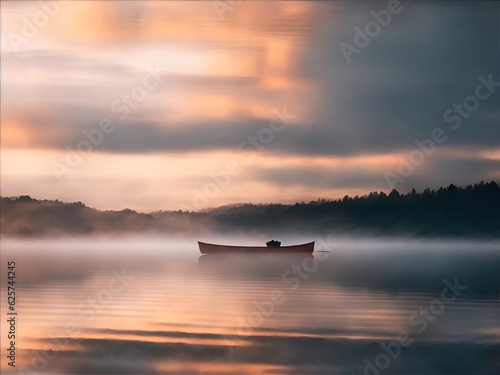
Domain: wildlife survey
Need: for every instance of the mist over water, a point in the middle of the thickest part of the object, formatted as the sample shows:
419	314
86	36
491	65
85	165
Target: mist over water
157	305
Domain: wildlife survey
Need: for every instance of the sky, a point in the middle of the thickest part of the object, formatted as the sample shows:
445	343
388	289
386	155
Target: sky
187	105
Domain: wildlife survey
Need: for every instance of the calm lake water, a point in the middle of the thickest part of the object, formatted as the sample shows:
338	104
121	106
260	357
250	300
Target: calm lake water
152	305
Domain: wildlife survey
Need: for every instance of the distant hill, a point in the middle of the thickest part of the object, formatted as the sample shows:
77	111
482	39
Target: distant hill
471	211
237	208
25	216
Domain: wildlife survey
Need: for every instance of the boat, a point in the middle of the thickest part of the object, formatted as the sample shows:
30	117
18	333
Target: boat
272	247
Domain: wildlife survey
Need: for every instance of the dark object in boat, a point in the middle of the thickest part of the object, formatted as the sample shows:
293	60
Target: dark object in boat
273	243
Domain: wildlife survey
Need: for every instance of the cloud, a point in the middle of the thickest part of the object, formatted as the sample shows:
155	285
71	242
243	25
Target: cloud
294	353
441	170
436	171
319	177
395	90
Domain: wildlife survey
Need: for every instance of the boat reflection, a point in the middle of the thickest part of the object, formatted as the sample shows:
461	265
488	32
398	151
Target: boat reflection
264	265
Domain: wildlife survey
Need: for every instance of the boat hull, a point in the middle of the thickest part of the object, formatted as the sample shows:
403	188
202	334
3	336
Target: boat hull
208	248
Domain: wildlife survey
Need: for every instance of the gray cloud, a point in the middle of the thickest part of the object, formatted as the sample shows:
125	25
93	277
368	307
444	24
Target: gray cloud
295	353
441	170
437	170
398	87
394	91
320	177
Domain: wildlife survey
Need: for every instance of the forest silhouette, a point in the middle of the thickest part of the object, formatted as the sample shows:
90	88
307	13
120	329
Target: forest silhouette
470	211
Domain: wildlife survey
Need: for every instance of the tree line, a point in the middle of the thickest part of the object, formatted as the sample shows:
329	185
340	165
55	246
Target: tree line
470	211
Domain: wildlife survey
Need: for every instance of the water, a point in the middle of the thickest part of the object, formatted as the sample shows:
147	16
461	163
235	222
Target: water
156	306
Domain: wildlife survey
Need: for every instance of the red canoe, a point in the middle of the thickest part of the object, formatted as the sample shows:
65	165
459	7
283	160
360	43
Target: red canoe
209	248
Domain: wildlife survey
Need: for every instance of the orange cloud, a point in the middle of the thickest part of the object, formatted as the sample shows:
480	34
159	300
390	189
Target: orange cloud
14	134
